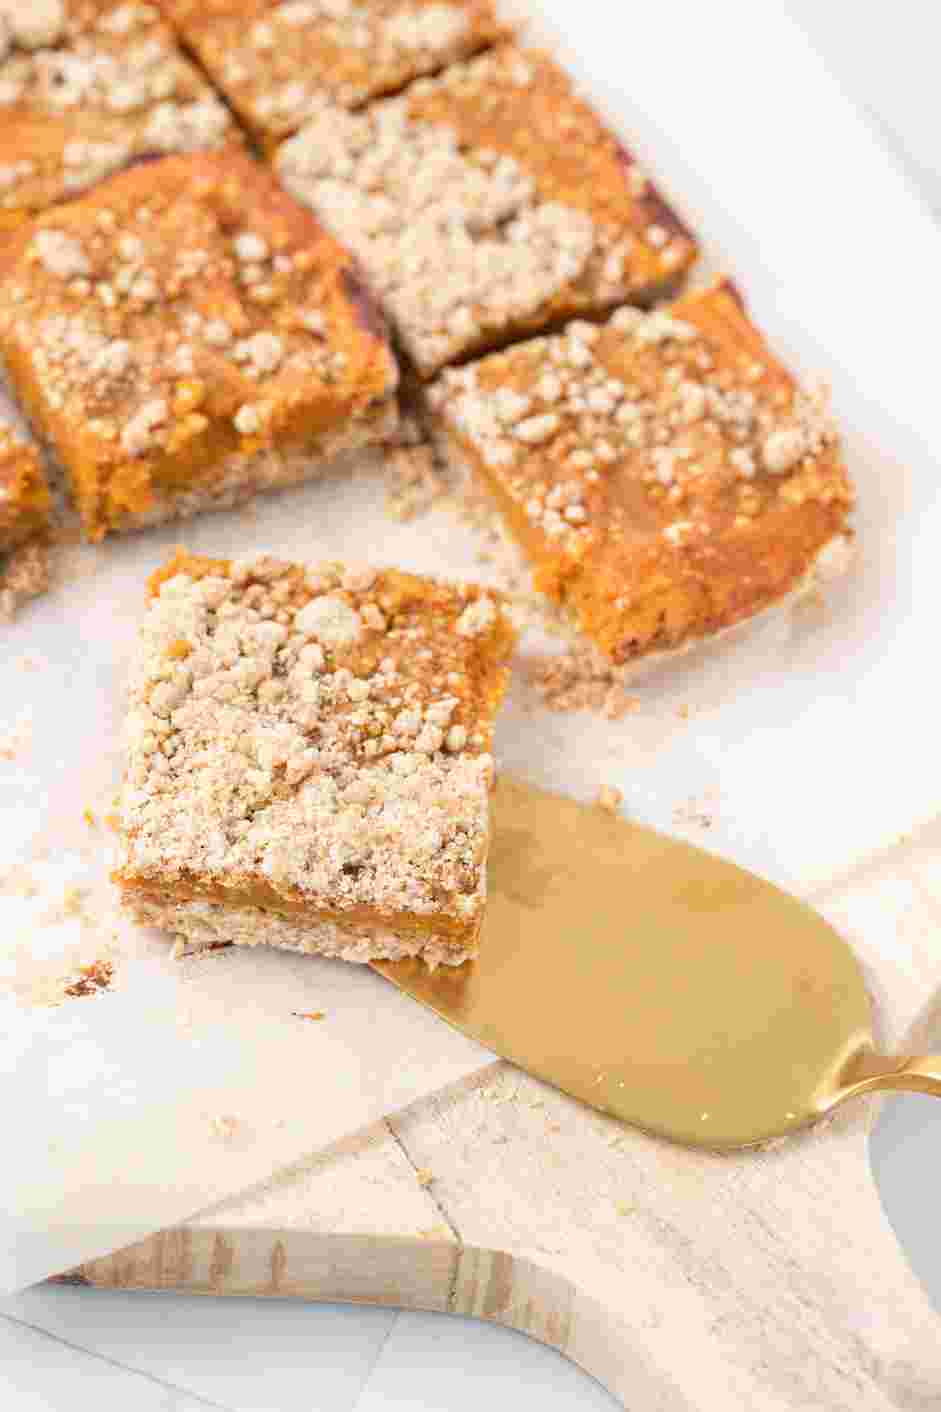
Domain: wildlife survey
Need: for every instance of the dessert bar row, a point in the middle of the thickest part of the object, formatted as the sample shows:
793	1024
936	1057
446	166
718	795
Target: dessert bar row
192	329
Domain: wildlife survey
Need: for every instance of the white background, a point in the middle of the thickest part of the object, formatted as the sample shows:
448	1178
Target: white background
65	1348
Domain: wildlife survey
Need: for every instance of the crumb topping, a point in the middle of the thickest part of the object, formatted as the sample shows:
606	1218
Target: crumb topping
326	735
471	218
656	442
168	315
114	88
277	62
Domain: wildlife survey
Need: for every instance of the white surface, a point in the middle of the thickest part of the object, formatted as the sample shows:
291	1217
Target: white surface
189	1353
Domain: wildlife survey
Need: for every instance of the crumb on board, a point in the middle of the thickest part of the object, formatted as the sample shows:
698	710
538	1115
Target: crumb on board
424	1176
610	798
308	1014
224	1125
413	482
91	979
24	574
16	737
179	949
580	679
89	817
696	813
113	822
438	1232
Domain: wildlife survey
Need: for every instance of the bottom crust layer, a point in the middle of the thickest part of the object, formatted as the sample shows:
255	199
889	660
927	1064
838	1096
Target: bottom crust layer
205	924
242	477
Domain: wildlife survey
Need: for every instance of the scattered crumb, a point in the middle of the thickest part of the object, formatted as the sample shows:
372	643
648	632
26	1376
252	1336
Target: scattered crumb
113	822
696	813
179	949
24	574
413	482
553	1127
89	818
683	712
610	798
308	1014
434	1232
224	1125
580	679
91	979
73	901
16	738
424	1176
624	1208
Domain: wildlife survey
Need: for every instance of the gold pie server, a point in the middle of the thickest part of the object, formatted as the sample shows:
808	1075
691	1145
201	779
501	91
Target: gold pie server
658	983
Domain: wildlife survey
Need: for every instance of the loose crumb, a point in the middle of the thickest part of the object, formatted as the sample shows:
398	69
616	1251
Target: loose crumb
308	1014
224	1125
413	482
580	679
695	813
424	1176
91	979
89	818
24	574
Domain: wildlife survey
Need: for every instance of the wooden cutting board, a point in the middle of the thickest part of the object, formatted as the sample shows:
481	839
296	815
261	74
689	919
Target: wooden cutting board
681	1280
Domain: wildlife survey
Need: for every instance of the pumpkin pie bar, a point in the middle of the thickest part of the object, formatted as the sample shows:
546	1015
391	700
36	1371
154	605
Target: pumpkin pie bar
308	758
185	335
87	86
486	204
663	472
276	61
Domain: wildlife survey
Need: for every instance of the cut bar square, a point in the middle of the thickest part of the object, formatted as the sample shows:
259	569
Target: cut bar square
87	87
486	204
664	473
276	61
308	758
186	335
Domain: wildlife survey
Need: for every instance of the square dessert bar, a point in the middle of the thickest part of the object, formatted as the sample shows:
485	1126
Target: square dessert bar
663	472
485	204
24	495
308	758
276	61
185	335
87	86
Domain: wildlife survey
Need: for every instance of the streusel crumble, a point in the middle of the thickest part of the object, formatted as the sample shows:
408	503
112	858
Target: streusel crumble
276	61
486	203
86	87
663	472
308	758
185	335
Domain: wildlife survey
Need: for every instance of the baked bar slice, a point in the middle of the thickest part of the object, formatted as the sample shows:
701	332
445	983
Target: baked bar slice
487	203
663	472
25	501
277	60
185	335
308	758
87	86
